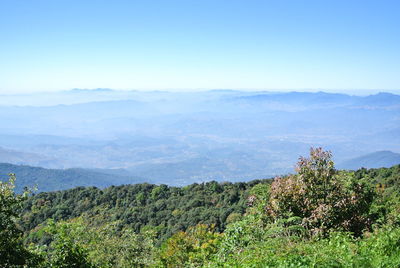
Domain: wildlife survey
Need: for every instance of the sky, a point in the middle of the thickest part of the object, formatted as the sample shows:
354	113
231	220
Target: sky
49	45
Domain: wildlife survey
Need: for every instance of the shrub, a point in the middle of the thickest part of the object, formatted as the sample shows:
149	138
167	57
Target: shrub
324	198
192	248
12	251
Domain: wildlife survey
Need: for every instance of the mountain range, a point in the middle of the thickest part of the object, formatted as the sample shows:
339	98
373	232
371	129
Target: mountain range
184	137
61	179
373	160
45	180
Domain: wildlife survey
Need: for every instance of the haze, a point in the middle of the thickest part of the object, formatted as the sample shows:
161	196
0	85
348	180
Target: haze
187	45
187	91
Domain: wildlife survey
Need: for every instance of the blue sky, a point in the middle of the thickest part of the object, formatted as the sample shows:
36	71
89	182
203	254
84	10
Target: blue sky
249	44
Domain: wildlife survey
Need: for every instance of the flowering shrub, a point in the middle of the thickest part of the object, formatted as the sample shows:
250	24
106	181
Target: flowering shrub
324	198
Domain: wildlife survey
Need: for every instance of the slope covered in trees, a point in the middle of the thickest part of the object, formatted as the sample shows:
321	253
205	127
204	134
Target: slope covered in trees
60	179
167	209
317	217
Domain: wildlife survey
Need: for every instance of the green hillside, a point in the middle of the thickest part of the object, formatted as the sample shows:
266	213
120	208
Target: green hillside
60	179
317	217
167	209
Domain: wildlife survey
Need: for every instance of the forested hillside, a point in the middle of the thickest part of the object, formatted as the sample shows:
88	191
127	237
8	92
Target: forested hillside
59	179
167	209
317	217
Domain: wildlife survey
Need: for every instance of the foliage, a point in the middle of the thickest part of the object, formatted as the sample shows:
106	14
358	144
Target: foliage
321	196
12	251
191	248
318	217
338	249
75	242
140	206
65	251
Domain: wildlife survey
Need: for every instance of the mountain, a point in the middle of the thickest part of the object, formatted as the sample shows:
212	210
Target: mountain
382	98
322	99
302	97
373	160
18	157
60	179
183	137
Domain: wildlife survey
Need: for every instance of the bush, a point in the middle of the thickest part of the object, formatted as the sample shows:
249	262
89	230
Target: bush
12	251
192	248
324	198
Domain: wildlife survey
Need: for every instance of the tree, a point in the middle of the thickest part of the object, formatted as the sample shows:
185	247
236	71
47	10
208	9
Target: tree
321	196
192	248
77	244
64	249
12	251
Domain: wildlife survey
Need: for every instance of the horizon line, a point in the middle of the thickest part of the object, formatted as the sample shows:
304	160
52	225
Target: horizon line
355	91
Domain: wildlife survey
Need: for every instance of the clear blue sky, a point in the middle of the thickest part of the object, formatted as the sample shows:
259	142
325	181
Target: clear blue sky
324	44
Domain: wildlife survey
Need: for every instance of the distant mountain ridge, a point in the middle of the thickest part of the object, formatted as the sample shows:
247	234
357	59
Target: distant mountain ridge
18	157
185	137
373	160
382	98
62	179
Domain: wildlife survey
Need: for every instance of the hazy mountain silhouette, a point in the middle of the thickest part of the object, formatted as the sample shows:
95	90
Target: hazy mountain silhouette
59	179
184	137
372	160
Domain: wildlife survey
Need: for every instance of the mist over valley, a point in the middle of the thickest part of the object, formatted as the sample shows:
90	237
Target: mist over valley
178	138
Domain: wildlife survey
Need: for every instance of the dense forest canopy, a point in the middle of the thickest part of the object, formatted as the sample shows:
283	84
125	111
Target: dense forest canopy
168	209
317	217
